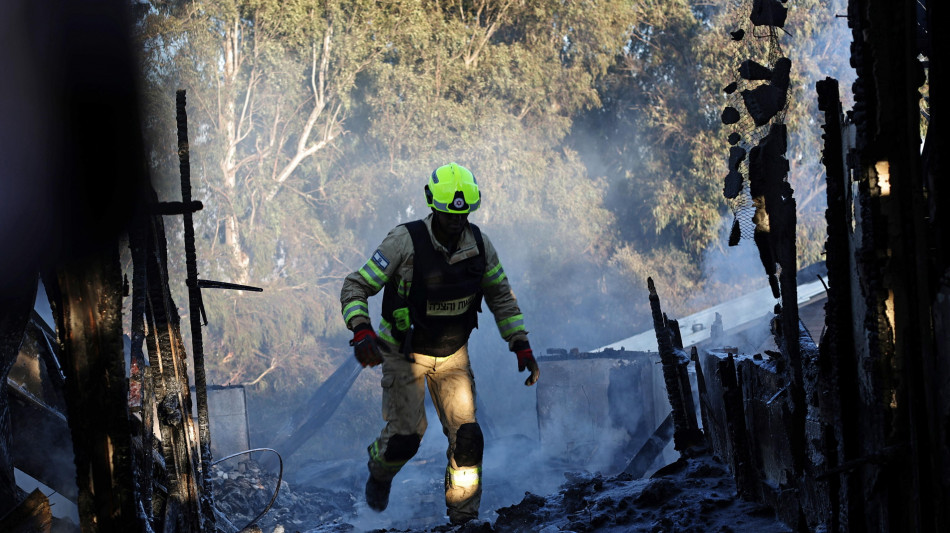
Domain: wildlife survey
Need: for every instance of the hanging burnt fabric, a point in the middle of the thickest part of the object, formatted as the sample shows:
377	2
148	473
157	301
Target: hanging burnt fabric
735	233
766	100
781	72
763	103
736	157
730	115
767	163
768	13
733	184
752	70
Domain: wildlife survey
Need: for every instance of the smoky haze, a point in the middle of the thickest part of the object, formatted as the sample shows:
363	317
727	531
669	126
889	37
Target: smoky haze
571	297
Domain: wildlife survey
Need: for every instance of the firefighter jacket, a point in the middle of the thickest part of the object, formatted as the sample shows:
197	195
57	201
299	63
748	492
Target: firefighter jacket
391	265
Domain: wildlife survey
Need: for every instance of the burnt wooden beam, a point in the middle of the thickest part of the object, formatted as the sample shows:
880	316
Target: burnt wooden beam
209	284
41	427
651	449
167	360
314	413
837	362
87	298
141	388
15	311
686	432
741	458
196	310
704	409
176	208
893	328
33	515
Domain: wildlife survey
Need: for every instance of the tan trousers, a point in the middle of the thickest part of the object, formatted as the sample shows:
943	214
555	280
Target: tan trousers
452	389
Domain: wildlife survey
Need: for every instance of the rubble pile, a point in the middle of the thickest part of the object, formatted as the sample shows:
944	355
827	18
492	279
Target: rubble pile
694	495
243	491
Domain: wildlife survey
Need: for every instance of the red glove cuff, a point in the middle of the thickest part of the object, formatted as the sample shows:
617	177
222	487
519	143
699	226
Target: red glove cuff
362	331
524	355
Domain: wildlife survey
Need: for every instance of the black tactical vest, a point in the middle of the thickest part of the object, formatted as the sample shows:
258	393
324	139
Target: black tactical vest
443	300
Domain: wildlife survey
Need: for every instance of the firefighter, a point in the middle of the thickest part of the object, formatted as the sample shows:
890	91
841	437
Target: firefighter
435	273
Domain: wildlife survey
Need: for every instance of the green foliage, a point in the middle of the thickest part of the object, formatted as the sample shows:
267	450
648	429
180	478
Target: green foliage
592	127
658	142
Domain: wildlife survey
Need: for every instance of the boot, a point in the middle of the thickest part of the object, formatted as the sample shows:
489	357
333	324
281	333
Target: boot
377	494
457	519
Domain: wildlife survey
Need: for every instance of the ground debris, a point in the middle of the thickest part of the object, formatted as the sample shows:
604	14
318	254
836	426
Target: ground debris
243	492
698	496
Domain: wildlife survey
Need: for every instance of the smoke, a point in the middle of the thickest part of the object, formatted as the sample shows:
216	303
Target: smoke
578	304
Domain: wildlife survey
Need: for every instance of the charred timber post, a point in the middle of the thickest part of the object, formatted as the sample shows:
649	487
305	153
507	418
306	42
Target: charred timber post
167	359
15	307
141	386
704	410
837	380
194	307
88	309
686	433
742	467
138	390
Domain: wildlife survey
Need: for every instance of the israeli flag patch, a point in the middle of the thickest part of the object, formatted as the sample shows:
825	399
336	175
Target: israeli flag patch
380	260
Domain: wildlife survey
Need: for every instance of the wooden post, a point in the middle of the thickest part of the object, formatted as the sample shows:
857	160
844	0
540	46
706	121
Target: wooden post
701	385
88	308
33	515
686	432
195	310
15	307
172	395
742	467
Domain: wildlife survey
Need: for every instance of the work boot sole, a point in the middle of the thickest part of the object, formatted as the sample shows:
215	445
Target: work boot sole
377	494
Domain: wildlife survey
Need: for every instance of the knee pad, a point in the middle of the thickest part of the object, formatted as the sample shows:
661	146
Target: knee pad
469	445
401	448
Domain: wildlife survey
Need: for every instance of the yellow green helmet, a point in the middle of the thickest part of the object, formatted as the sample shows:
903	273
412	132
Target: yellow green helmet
452	189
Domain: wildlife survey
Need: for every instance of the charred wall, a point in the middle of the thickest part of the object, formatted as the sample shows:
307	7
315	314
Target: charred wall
854	436
884	358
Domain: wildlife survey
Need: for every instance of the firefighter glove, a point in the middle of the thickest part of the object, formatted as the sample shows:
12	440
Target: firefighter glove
365	346
526	360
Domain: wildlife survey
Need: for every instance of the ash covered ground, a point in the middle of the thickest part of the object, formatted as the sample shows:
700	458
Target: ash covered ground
690	495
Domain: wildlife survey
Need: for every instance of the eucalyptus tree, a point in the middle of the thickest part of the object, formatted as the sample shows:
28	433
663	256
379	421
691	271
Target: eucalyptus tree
659	142
495	85
270	87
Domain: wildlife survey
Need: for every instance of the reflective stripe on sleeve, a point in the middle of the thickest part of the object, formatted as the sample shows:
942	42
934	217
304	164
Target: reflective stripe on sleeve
373	275
493	276
511	325
354	309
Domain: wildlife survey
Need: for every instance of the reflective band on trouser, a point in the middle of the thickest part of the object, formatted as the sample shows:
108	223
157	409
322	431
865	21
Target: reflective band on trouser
386	332
511	325
373	275
463	477
353	309
376	457
493	276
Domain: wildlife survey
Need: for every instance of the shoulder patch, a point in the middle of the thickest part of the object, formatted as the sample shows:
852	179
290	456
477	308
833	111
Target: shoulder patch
380	260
